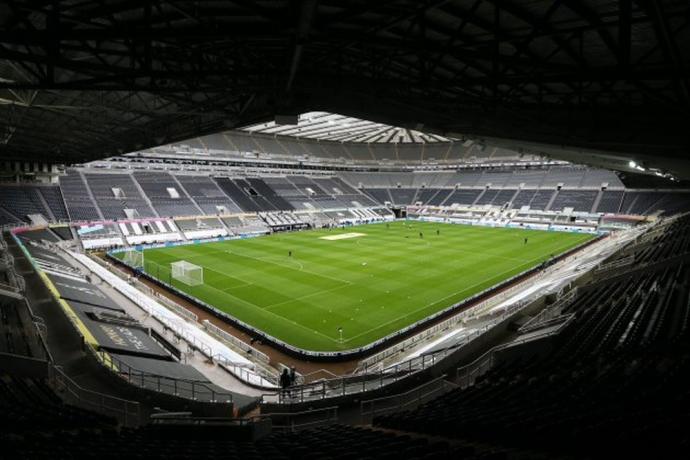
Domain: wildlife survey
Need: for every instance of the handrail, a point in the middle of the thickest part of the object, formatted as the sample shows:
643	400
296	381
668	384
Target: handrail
229	338
403	400
128	412
331	417
163	384
468	373
361	383
138	297
549	312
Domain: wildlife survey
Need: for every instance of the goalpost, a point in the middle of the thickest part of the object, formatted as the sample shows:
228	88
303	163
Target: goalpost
187	273
134	259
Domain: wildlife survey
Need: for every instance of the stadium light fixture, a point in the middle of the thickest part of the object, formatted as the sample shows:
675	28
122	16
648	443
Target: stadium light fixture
632	164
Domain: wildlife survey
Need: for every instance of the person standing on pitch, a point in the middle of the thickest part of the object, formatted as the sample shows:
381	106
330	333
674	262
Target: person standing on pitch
421	235
438	232
525	240
289	253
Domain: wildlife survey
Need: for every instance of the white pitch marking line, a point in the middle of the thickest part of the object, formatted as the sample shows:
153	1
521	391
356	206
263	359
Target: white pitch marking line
283	318
286	266
306	296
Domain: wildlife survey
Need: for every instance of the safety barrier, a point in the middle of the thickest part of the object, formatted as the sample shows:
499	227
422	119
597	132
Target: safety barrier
467	375
126	412
295	421
409	400
231	339
189	389
245	372
552	311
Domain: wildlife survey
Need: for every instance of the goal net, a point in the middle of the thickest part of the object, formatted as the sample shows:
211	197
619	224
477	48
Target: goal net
134	258
187	273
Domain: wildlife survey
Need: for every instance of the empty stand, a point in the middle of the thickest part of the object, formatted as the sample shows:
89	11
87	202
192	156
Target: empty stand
18	334
380	195
440	197
56	205
263	203
206	194
8	218
237	195
403	196
29	406
462	196
269	195
610	202
21	201
487	197
523	198
541	199
579	200
425	195
116	192
80	206
165	194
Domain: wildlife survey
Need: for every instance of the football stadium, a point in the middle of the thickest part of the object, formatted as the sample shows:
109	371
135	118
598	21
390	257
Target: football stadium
342	230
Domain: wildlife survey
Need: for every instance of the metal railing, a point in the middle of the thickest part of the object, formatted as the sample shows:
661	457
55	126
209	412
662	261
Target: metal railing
295	421
614	265
467	375
126	412
190	389
349	385
370	381
248	372
409	400
552	311
232	340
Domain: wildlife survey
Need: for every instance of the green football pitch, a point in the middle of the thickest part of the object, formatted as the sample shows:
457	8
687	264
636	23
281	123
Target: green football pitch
369	280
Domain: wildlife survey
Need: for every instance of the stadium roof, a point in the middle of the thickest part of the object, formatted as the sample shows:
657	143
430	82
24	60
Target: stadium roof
85	79
333	127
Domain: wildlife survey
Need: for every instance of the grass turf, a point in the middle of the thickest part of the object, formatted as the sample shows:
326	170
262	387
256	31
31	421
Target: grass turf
371	285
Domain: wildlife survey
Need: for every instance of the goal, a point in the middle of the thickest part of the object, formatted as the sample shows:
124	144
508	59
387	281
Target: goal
134	258
187	273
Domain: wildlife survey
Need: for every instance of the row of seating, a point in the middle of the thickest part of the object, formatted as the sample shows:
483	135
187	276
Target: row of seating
19	201
96	438
18	335
567	177
92	196
29	407
610	201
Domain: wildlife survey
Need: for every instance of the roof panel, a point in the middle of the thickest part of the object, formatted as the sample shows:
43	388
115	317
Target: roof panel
334	127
